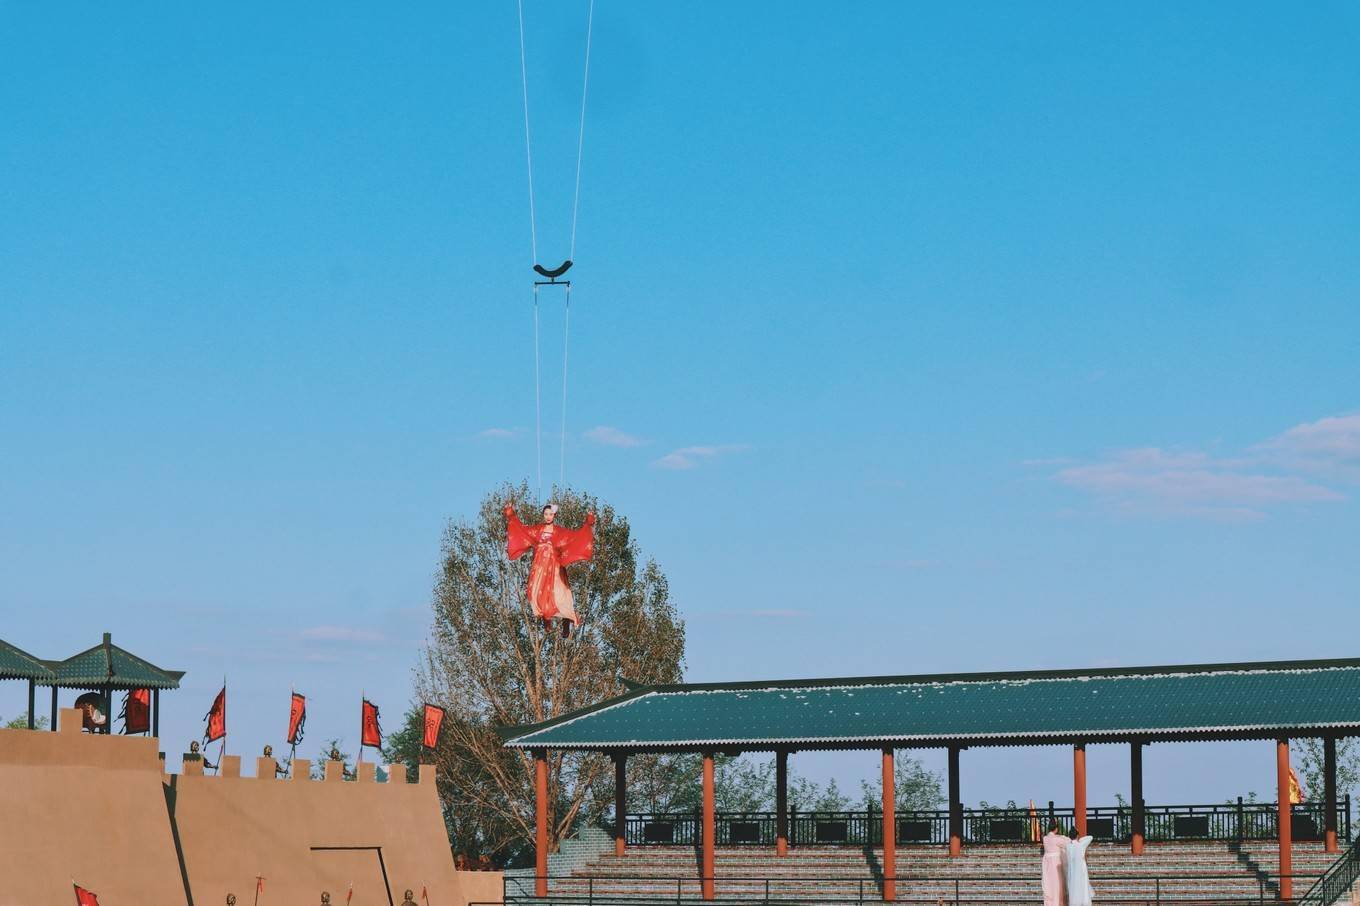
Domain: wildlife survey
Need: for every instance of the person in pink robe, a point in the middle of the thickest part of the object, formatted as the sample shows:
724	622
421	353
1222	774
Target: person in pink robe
555	547
1055	844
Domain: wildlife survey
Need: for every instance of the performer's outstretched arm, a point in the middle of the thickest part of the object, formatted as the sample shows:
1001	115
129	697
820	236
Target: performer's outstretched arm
518	539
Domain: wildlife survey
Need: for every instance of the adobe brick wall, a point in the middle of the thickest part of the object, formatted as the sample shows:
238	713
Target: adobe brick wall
73	805
99	809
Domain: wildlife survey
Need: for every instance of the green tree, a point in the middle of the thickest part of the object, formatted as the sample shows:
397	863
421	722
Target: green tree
914	787
334	744
490	663
21	723
1310	764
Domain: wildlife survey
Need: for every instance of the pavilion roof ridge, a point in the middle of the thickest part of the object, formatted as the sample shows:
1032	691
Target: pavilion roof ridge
16	663
1007	676
151	675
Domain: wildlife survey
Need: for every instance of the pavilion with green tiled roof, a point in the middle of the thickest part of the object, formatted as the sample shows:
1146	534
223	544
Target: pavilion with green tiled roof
1275	700
102	668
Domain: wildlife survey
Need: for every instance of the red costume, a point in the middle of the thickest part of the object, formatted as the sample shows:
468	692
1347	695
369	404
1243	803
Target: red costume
555	548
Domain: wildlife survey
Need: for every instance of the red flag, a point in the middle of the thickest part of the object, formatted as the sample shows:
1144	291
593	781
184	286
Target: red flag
425	895
85	897
259	886
349	896
372	730
216	718
137	711
434	719
297	716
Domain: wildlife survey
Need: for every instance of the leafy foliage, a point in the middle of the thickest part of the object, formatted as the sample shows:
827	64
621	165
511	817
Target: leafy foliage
491	663
21	723
1310	764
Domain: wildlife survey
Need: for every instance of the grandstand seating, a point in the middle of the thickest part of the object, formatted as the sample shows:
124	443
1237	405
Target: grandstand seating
1204	873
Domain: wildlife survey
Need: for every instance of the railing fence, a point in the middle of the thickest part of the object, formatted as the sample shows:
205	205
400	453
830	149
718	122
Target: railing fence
1232	821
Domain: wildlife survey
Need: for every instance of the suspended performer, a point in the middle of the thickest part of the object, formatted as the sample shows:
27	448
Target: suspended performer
555	548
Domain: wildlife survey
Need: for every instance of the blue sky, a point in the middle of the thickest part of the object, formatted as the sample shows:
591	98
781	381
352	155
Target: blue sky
909	339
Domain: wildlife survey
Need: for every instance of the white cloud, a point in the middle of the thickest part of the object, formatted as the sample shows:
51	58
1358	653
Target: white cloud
691	457
613	437
1285	470
340	634
1326	447
498	433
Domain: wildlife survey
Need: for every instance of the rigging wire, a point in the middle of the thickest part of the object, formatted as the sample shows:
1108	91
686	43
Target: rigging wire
533	239
528	147
538	406
566	338
581	135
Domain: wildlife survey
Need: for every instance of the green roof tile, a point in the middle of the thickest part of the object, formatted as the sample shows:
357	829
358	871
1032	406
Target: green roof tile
106	663
15	663
1198	701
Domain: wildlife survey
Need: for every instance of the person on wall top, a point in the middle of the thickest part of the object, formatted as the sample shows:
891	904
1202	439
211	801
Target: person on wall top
555	547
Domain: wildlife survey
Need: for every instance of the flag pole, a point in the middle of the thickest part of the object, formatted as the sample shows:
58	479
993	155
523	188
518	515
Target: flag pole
292	753
363	700
221	754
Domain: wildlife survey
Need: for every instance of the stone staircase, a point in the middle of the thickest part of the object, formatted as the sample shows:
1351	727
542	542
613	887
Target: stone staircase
1210	874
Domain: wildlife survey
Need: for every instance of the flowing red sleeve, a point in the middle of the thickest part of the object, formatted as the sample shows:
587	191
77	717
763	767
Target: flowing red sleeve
518	538
575	545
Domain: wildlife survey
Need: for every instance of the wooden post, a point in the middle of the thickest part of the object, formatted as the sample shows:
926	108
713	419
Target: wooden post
1286	819
781	803
620	803
1079	787
156	713
54	708
1136	796
889	828
709	830
955	805
540	822
31	717
1329	792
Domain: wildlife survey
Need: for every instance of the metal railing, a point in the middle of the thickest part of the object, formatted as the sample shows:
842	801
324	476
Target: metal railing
1234	821
911	888
1337	881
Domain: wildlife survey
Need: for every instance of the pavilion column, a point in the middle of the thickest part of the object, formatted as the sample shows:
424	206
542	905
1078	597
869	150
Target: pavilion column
1136	796
955	805
1329	792
156	713
889	828
709	829
108	703
781	803
54	709
32	687
1079	788
1286	819
540	822
620	803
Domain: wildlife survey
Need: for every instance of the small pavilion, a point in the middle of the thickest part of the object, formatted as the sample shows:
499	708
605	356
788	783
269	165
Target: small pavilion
15	663
104	668
1134	706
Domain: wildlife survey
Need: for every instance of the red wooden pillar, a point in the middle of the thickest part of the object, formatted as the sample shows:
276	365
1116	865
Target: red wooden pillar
540	822
1286	819
1136	796
1079	787
955	805
889	828
620	803
1329	792
710	829
781	803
